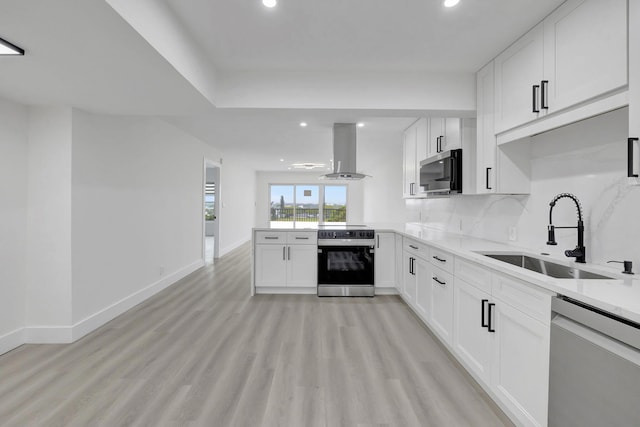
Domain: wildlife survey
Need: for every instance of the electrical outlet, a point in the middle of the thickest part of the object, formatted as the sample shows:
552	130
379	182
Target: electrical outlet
513	234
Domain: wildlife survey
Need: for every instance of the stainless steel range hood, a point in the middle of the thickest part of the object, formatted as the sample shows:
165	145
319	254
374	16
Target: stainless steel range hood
344	152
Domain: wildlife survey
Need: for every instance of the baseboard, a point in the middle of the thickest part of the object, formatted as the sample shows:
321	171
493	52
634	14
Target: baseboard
230	248
386	291
266	290
93	322
11	340
48	335
68	334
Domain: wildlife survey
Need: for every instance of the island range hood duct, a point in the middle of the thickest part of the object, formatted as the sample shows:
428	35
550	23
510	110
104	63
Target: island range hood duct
344	152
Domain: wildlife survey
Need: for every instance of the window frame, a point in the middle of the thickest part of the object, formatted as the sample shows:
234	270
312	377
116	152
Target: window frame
321	201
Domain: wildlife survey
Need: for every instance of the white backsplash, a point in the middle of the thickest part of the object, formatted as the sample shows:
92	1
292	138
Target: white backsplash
587	159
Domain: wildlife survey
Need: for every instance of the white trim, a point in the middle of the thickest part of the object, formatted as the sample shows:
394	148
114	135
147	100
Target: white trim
387	291
286	290
94	321
233	247
69	334
556	120
11	340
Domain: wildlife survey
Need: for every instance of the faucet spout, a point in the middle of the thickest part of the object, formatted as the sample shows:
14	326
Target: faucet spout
580	251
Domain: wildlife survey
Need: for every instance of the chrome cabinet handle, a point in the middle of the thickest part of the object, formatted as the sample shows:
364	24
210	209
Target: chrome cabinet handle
437	258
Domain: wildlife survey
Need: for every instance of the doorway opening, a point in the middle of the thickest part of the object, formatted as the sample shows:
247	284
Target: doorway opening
211	210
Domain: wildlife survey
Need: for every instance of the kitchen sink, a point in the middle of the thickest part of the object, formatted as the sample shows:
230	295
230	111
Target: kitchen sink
545	267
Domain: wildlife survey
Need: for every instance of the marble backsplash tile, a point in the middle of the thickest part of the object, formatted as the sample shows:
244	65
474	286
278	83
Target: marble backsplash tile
587	159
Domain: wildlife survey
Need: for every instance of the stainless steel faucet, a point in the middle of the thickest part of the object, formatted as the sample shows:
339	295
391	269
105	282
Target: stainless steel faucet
580	251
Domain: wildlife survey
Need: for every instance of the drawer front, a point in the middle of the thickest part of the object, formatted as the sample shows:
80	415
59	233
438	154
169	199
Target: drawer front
522	296
271	237
417	248
302	237
441	259
473	274
444	278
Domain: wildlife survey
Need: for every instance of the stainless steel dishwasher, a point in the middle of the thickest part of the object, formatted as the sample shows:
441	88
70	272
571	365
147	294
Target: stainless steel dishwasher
594	369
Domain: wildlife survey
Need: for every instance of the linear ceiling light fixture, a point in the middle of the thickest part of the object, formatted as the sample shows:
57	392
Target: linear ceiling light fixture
7	48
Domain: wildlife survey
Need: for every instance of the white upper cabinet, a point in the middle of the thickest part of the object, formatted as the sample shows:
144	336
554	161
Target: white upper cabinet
444	134
486	136
518	73
409	165
577	54
585	51
634	85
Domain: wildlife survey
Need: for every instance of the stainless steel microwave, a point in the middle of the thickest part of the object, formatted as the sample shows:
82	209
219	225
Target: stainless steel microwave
442	173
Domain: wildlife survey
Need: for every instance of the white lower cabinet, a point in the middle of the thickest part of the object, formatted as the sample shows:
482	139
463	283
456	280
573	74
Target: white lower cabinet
399	264
441	311
423	288
472	340
410	280
385	260
286	259
505	347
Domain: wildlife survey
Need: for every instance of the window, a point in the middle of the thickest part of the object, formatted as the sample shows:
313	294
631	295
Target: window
209	201
306	206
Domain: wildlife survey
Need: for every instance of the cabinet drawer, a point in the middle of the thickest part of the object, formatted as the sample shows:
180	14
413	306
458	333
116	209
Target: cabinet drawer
302	237
522	296
441	259
416	248
444	278
474	274
273	237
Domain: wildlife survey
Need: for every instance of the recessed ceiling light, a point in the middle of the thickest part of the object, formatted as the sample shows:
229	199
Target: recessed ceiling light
360	125
269	3
451	3
303	124
7	48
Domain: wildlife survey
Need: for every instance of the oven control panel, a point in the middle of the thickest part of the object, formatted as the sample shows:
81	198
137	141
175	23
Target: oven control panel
346	234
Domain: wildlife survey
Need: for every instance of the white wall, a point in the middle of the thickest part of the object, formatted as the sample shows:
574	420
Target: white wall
49	272
13	227
238	201
587	159
137	210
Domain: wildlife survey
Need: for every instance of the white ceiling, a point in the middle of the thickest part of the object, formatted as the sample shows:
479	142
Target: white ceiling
357	34
84	54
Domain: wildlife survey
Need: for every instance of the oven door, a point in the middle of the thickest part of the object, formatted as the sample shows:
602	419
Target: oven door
345	265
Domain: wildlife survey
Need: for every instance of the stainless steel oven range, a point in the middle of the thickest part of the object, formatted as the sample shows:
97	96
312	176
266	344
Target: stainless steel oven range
346	262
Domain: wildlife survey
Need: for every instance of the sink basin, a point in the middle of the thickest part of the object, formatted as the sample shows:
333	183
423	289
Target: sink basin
545	267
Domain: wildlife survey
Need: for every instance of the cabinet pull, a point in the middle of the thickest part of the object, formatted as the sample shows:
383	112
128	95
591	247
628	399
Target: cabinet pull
437	144
630	173
411	193
535	98
271	238
482	322
413	247
284	251
437	258
302	238
490	326
487	184
410	265
378	241
289	253
441	138
439	281
543	96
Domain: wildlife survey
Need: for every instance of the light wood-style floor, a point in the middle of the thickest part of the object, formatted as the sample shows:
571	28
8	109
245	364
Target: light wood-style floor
204	353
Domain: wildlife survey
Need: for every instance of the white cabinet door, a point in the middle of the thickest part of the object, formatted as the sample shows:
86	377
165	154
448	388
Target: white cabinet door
422	142
585	51
436	133
409	286
385	260
520	369
441	312
423	287
270	268
409	167
399	265
452	134
517	70
471	340
634	81
302	266
486	136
